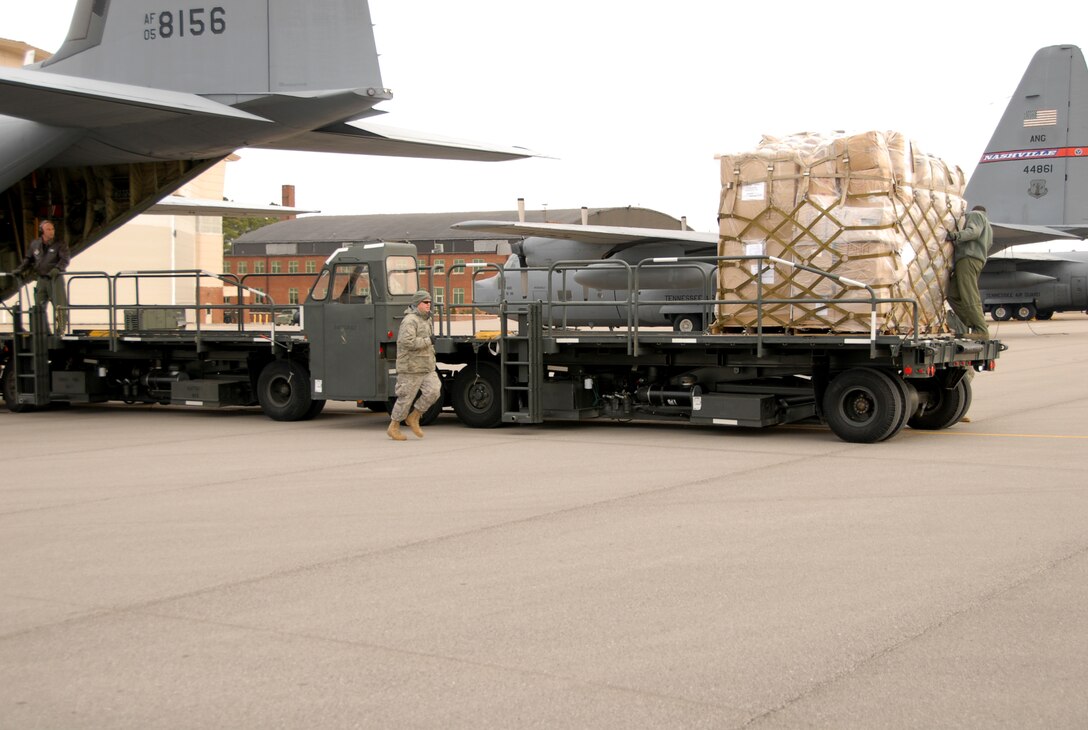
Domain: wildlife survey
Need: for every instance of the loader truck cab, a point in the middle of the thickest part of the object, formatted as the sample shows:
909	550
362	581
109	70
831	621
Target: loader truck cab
351	317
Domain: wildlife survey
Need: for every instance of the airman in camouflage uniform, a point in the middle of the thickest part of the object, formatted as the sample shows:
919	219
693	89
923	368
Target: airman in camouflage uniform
415	368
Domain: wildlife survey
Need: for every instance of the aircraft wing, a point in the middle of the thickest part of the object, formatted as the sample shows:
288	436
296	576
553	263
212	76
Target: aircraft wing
364	138
177	205
68	101
602	235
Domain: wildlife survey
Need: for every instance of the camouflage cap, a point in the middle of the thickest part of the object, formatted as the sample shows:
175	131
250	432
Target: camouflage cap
421	296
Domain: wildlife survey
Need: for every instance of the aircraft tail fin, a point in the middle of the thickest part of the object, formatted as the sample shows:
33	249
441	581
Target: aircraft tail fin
229	47
1034	171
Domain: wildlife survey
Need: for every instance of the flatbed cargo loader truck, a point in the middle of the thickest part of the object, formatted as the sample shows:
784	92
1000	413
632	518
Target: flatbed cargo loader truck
527	368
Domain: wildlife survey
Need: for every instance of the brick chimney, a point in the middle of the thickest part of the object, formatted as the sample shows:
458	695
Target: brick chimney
287	198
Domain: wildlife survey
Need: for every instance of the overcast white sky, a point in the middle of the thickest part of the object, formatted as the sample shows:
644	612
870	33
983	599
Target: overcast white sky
634	98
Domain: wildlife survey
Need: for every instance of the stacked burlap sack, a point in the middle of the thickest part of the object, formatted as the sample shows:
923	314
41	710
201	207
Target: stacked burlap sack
869	207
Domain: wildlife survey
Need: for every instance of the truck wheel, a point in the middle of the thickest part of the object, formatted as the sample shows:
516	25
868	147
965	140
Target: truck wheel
688	323
1044	314
1025	312
1001	312
863	406
431	414
11	399
316	406
477	398
283	390
943	407
910	401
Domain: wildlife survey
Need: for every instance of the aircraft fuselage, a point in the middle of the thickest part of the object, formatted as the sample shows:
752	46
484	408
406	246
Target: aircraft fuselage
1025	288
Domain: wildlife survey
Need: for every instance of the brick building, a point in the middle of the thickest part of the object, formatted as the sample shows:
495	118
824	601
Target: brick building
283	258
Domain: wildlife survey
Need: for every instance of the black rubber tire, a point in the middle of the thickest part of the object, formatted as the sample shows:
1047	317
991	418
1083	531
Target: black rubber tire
431	414
863	406
946	407
1001	312
283	390
477	398
910	401
689	323
1024	312
316	406
965	401
1044	314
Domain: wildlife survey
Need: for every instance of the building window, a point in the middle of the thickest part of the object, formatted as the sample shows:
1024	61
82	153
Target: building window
439	247
458	296
292	296
438	267
311	266
226	267
275	267
439	294
258	267
458	266
480	262
242	268
292	267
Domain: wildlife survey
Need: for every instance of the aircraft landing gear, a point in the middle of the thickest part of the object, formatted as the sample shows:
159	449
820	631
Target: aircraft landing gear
688	323
1024	312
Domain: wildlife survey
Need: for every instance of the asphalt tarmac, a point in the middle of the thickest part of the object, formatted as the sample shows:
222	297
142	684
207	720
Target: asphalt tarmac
173	568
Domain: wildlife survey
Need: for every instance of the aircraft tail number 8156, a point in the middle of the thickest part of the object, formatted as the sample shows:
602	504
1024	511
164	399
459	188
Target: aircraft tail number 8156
167	24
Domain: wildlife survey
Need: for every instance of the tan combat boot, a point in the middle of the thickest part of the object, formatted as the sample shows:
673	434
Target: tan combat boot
394	431
412	421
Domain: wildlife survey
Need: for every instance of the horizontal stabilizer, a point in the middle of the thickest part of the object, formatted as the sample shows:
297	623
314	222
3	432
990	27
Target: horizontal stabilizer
1011	234
363	138
1009	262
66	101
602	235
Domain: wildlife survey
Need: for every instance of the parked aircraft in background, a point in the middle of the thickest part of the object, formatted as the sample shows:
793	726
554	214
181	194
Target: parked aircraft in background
1033	180
600	285
141	99
1035	285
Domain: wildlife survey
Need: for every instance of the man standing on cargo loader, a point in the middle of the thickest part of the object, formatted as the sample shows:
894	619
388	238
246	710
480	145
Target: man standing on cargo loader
973	243
415	368
47	258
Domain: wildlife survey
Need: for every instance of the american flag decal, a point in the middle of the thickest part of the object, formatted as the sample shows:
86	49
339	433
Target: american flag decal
1041	118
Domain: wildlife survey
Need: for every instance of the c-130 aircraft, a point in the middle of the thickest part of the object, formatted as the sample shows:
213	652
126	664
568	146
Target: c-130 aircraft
141	99
1032	179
